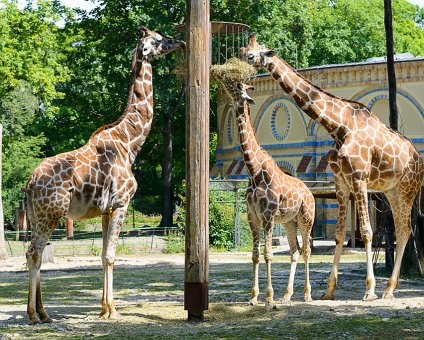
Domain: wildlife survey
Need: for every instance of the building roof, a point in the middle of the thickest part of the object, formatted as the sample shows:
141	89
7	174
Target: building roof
400	57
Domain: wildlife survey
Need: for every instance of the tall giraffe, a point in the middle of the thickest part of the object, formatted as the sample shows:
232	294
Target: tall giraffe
366	154
95	179
272	197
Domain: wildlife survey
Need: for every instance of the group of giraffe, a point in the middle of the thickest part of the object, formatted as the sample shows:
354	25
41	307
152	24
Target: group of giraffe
96	179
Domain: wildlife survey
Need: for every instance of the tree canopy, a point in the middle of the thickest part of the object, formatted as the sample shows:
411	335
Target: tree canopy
66	72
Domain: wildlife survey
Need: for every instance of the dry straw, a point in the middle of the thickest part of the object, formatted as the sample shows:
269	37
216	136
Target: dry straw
234	70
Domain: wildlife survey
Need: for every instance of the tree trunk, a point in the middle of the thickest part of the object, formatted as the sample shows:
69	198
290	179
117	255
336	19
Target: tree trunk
167	220
167	168
3	251
393	117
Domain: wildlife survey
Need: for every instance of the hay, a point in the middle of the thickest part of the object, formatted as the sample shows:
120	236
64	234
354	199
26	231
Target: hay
234	70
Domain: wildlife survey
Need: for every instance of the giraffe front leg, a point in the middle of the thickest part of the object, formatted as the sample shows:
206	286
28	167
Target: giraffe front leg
255	261
44	317
108	259
361	198
269	295
104	314
306	253
294	256
255	229
342	193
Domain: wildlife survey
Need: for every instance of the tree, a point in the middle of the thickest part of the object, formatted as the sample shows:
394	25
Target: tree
31	65
3	252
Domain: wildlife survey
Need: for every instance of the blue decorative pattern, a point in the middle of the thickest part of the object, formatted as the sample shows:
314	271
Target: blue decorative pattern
269	102
398	92
375	99
287	165
276	108
230	126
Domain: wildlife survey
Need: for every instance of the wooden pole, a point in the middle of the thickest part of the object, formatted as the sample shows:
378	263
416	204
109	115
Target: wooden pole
197	159
3	252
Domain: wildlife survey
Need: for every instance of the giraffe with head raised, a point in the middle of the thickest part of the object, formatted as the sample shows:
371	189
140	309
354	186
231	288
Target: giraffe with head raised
366	155
95	179
272	197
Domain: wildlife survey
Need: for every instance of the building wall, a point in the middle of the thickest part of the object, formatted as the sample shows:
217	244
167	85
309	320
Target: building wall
289	135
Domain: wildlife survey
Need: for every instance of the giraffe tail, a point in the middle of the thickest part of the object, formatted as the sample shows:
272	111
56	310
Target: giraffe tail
418	236
29	205
420	217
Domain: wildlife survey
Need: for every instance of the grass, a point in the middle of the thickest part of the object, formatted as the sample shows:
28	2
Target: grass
150	299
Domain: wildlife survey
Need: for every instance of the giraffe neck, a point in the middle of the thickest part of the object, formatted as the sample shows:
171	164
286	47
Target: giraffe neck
132	128
253	154
328	110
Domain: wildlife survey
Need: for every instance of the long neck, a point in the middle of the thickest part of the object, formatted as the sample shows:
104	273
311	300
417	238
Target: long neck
253	154
324	108
135	124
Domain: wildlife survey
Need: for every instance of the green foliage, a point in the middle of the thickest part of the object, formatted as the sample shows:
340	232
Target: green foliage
19	159
175	242
221	219
95	250
123	249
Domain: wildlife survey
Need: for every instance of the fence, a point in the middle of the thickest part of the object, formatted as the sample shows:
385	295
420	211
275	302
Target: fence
85	243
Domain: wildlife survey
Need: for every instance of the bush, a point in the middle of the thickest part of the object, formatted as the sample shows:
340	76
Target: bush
175	242
221	219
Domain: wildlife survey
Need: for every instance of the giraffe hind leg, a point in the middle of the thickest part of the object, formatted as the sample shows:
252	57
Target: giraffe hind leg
290	229
35	308
401	209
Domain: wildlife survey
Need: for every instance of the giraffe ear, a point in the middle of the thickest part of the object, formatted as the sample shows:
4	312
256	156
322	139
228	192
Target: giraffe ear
268	54
252	38
143	30
250	101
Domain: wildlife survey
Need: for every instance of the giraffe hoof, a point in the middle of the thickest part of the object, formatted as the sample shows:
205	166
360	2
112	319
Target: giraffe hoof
369	297
44	317
270	305
286	302
47	319
253	302
308	299
104	315
327	297
115	316
34	320
387	296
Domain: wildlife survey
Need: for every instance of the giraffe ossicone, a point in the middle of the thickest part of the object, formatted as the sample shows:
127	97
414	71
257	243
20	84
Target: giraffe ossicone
95	179
272	197
366	155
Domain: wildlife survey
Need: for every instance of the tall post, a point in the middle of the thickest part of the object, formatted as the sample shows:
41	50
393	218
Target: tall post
393	117
3	251
391	76
197	159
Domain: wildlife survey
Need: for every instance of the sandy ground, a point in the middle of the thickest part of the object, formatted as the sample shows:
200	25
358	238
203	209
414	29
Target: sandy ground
230	279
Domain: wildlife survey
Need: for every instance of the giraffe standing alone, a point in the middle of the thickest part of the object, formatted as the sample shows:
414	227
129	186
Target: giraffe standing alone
272	196
366	154
95	179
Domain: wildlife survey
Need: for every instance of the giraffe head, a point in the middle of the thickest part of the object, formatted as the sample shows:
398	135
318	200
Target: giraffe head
241	95
255	54
153	44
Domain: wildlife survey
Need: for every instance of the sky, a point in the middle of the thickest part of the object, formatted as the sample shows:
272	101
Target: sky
417	2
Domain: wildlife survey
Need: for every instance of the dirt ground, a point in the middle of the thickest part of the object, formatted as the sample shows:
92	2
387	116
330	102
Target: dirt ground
149	295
